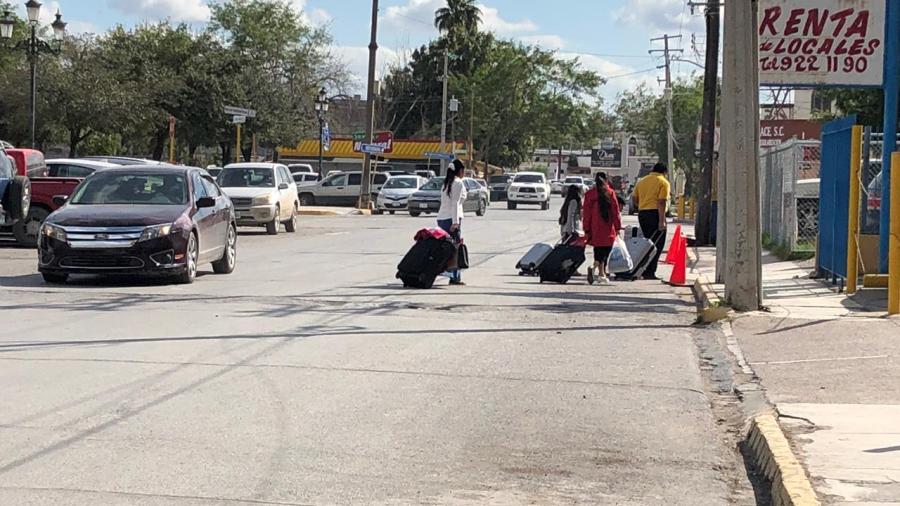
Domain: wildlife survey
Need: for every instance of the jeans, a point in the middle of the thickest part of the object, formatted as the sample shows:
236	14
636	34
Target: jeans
455	274
649	221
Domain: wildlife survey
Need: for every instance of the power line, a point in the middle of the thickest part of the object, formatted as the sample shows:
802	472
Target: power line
654	69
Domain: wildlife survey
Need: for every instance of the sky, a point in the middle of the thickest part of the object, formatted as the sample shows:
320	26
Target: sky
611	37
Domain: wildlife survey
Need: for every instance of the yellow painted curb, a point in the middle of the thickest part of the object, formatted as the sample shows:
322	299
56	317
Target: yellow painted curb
775	459
319	212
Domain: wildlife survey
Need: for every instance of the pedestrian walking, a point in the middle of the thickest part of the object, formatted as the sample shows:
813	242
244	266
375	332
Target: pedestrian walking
651	196
570	214
450	215
602	222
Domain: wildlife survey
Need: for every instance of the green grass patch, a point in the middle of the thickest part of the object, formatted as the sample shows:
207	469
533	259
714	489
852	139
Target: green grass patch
784	252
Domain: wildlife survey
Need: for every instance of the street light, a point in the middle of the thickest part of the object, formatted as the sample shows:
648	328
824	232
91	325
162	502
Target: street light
321	109
33	46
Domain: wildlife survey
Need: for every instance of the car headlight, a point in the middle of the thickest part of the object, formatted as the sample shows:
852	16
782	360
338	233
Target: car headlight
540	190
53	232
513	188
155	232
264	200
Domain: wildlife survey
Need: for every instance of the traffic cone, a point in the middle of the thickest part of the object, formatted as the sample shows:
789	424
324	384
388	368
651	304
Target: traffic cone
679	270
672	254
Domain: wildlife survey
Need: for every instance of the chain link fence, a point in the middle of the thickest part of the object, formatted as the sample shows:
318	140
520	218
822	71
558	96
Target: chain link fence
790	195
870	204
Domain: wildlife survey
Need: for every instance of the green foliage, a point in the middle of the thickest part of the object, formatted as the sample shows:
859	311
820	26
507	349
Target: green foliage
867	104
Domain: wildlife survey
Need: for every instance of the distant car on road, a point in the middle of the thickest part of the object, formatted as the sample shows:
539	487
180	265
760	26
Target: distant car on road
498	186
487	189
556	187
123	160
76	167
529	188
214	170
146	219
264	194
428	198
394	195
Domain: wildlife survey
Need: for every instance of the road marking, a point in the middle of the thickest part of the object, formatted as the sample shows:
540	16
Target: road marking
834	359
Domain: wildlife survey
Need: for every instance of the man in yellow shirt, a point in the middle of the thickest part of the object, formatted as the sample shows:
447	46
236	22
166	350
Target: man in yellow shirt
651	195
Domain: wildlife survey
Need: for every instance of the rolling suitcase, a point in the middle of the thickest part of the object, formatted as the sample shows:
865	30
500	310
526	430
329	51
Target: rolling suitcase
642	251
423	263
561	263
530	264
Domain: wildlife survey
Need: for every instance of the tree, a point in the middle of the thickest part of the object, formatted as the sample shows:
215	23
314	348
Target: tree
458	18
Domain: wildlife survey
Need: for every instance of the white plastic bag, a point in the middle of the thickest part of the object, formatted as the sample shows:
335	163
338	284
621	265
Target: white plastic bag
619	259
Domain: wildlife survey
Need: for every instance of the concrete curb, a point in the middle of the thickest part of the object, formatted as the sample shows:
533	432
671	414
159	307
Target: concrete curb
711	307
330	212
774	458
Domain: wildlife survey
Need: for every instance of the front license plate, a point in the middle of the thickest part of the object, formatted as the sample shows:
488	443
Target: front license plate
423	206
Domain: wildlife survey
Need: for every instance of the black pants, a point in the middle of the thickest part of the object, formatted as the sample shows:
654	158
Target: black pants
649	221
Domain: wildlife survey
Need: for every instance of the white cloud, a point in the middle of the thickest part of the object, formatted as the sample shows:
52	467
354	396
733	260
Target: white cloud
491	21
357	60
73	27
316	17
548	41
179	10
659	15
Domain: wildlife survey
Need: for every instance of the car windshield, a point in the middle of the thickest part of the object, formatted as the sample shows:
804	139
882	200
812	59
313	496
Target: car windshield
246	177
529	178
116	188
435	183
401	183
499	179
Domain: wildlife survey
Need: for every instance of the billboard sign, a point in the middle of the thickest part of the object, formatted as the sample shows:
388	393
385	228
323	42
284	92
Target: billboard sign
383	139
822	42
775	132
607	158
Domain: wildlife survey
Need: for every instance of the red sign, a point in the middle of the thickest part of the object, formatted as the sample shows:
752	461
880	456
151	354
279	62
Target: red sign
822	42
383	139
774	132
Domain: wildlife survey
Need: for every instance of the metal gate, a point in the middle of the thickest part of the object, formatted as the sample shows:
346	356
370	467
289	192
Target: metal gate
834	194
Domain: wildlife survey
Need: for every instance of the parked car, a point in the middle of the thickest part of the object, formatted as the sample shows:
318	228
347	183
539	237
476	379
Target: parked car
394	195
529	188
340	189
428	198
484	185
301	168
143	219
499	186
305	179
123	160
75	167
214	170
15	192
29	162
264	194
426	174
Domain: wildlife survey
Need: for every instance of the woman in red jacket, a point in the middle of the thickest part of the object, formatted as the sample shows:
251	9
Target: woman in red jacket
602	222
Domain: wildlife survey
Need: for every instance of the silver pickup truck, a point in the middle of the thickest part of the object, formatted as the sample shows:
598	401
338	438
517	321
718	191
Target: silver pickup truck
339	189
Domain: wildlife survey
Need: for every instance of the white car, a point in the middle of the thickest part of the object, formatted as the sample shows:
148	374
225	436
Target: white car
394	195
264	194
556	186
528	188
578	181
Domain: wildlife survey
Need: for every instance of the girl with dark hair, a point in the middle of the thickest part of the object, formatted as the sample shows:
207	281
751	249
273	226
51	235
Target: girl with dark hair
450	215
602	223
570	214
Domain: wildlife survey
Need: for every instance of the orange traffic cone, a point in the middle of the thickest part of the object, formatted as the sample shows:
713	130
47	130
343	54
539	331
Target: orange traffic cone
679	270
672	255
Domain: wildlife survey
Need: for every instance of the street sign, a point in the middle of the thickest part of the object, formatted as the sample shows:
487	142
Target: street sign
383	139
371	148
822	42
240	111
440	156
359	137
238	119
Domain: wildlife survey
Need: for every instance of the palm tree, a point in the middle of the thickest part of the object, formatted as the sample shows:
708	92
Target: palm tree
458	16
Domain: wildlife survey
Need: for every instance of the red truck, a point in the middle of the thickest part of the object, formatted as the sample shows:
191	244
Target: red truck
31	164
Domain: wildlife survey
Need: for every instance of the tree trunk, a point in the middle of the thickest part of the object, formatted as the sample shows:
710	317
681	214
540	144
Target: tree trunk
74	139
159	143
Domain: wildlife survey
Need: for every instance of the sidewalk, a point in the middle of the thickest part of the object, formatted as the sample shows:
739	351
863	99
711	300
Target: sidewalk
830	364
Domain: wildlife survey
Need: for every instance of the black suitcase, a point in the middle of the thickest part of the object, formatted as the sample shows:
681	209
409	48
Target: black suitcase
424	262
561	263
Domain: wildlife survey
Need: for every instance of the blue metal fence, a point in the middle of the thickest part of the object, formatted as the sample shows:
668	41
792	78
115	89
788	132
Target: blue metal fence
834	197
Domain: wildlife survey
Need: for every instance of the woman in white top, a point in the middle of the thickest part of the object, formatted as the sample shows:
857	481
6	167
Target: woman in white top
450	216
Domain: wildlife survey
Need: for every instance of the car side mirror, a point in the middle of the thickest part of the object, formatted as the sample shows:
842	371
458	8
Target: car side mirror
283	186
59	200
205	202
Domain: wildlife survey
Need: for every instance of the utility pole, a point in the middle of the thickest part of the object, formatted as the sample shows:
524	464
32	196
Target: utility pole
444	113
740	106
670	128
703	225
365	191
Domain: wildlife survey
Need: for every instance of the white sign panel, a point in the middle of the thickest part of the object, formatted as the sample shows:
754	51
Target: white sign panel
822	42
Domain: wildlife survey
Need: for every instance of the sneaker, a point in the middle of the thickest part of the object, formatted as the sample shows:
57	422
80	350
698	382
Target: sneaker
456	282
590	276
604	280
650	277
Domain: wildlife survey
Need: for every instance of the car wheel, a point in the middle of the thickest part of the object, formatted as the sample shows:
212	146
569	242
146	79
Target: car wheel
291	225
307	199
272	226
191	256
392	212
510	205
545	206
482	208
28	231
54	278
415	214
378	211
225	265
18	198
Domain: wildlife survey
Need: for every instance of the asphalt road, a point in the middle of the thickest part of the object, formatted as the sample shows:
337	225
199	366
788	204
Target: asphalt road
309	376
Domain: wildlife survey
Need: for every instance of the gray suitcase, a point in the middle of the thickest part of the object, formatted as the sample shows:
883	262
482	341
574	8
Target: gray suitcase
531	262
642	251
